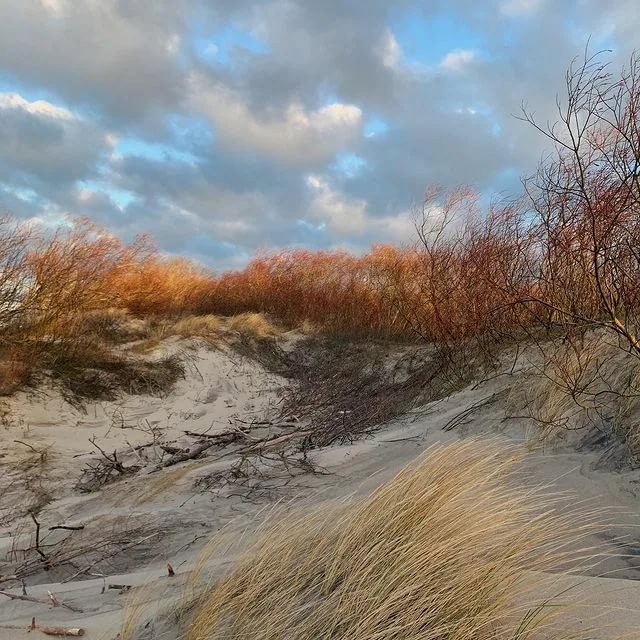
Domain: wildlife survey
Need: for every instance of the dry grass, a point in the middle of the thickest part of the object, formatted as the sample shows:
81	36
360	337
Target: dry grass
253	325
579	386
14	372
450	548
113	326
91	371
198	326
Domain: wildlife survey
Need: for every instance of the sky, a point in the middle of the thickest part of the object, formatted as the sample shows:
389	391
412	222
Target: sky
227	127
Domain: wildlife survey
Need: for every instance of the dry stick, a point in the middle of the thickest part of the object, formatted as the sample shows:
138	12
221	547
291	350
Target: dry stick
26	444
15	596
57	603
263	444
460	417
231	434
67	632
171	450
37	547
61	559
8	579
128	546
52	600
135	453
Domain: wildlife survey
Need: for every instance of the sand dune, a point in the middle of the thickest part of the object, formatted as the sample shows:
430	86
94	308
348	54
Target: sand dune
125	532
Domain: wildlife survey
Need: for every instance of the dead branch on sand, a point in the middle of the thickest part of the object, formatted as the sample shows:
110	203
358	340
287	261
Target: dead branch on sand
67	632
79	551
52	601
96	475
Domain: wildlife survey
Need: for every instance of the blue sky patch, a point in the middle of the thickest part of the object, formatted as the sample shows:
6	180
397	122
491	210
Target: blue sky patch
426	40
349	164
375	126
28	195
121	197
218	48
131	146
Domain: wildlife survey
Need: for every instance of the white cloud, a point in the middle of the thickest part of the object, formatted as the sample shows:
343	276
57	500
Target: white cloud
394	229
514	8
111	139
55	7
349	216
335	210
295	136
390	51
456	60
38	108
173	43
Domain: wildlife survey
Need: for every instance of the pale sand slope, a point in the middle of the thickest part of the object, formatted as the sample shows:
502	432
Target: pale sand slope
159	517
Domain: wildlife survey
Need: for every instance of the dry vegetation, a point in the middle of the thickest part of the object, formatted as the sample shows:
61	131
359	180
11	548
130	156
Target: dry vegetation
562	260
451	548
445	550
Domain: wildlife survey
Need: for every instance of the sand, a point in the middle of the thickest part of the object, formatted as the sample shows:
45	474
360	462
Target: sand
158	517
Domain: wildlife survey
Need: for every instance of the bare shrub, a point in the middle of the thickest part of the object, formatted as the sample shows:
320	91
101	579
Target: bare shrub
582	387
586	202
333	290
63	303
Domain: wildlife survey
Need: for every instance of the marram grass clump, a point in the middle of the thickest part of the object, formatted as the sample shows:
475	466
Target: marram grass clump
453	548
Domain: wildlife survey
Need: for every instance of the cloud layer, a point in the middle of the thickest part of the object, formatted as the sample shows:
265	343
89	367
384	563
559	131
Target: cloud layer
225	127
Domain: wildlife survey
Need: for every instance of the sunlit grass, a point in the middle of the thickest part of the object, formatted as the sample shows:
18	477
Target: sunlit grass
453	547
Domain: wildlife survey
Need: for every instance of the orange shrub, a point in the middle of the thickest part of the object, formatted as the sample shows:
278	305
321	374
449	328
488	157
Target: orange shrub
455	283
163	286
336	290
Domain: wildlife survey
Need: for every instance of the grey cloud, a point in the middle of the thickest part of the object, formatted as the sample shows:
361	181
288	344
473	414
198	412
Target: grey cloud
43	151
116	57
128	67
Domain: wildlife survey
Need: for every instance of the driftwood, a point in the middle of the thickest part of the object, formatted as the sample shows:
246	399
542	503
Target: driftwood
62	632
189	454
8	579
65	632
170	449
224	437
264	444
